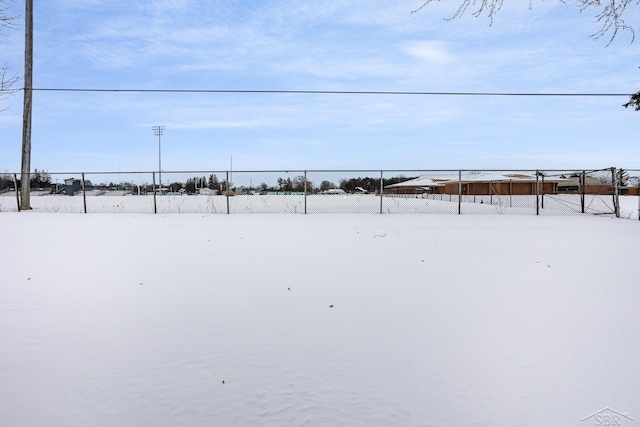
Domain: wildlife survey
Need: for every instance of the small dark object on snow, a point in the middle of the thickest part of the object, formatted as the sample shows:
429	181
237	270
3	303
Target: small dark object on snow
222	381
331	306
289	288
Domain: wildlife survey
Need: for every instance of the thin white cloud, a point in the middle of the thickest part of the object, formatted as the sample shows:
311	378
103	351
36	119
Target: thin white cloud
431	52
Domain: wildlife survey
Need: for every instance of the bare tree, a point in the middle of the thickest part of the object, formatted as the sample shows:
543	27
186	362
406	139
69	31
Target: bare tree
7	83
8	80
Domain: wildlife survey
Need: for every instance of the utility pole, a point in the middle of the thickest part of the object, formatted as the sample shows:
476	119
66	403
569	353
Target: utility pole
25	173
158	131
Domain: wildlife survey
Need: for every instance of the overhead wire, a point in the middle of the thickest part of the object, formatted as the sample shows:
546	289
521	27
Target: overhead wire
336	92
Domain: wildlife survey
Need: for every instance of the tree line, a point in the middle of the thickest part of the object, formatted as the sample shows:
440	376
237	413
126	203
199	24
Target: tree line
298	183
37	179
42	179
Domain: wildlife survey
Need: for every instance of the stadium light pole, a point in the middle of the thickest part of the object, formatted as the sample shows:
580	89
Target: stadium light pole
158	131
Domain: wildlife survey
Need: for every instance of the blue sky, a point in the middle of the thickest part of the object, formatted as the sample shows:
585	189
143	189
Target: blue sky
371	45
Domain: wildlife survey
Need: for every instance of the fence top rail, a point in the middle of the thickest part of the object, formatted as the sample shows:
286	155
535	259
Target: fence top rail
567	170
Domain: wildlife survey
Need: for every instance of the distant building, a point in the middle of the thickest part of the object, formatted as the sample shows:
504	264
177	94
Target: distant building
477	183
334	191
207	192
587	184
629	191
72	186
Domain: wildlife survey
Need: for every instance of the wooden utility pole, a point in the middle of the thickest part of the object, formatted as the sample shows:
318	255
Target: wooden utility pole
25	173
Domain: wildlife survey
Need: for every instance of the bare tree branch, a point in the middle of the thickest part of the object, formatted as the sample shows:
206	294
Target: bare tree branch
488	6
7	80
7	83
610	16
609	13
5	20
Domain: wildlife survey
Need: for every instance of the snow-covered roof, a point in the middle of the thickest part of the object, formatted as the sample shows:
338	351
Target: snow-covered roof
472	176
421	181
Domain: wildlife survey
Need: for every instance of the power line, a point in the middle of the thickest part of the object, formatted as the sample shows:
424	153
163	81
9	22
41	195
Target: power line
334	92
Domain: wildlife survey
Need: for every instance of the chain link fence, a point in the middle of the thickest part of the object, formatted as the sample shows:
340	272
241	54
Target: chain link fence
608	191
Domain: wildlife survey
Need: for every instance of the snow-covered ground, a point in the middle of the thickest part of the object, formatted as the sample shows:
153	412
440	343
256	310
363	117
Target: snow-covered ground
318	320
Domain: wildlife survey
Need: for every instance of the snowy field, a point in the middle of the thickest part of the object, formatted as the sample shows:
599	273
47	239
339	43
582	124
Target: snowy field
116	202
318	320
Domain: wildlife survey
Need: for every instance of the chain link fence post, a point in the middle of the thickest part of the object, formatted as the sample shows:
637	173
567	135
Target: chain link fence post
84	194
614	182
510	192
582	181
15	185
381	188
459	192
227	190
537	192
305	192
155	203
616	192
542	194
